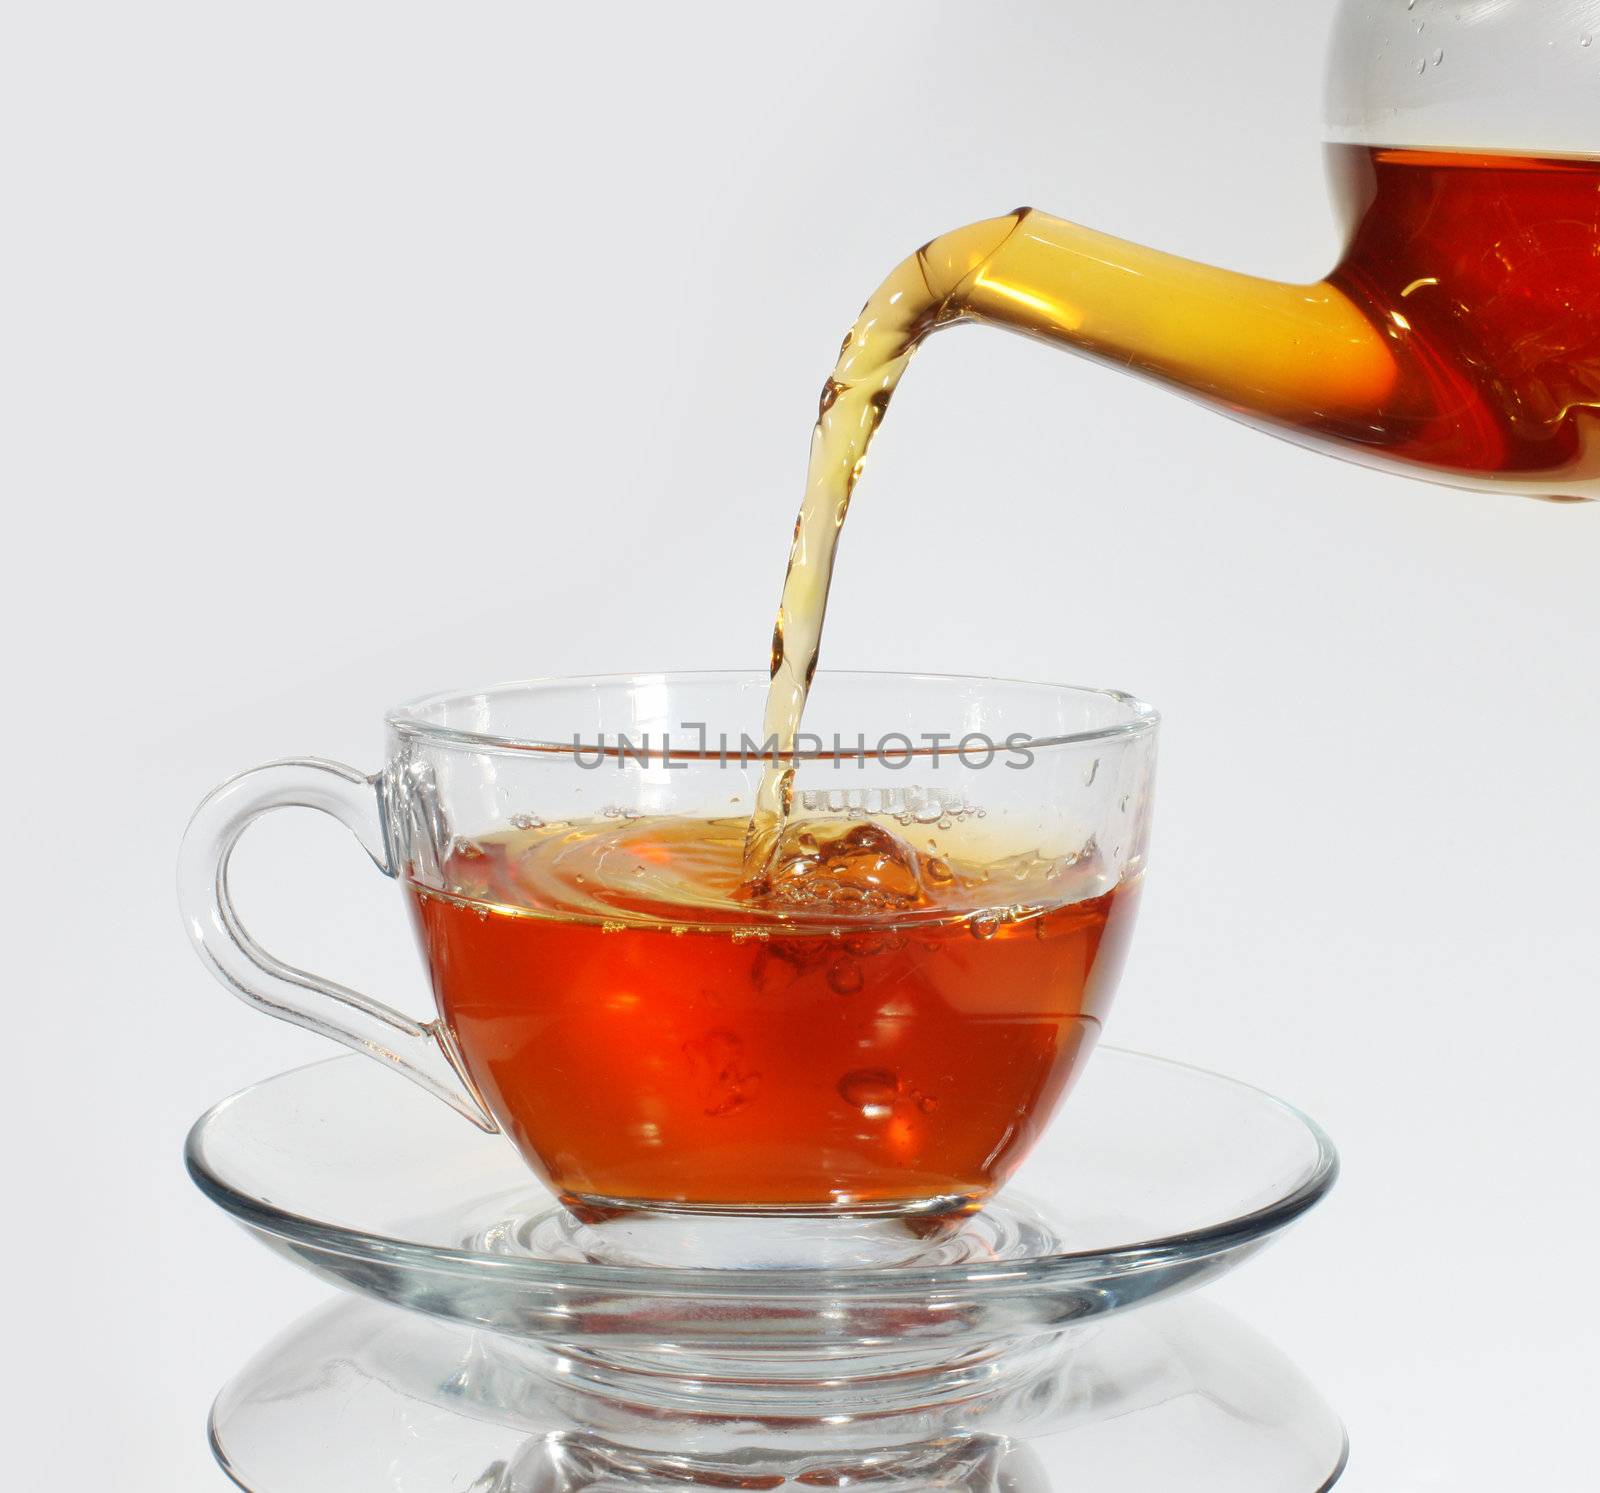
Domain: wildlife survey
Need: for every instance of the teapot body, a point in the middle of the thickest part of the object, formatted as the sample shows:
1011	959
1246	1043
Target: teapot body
1458	337
1506	77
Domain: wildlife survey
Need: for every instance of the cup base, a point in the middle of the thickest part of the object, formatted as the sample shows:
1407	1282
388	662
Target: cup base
935	1233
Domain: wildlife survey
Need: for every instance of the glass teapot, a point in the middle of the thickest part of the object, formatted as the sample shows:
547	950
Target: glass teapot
1457	339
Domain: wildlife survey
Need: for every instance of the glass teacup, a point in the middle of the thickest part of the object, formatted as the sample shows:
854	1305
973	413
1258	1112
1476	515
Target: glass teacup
878	1021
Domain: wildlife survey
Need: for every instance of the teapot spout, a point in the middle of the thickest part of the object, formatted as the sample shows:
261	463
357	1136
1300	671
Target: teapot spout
1338	365
1258	349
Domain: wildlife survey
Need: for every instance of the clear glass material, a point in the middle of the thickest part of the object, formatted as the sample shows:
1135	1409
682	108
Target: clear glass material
890	1042
356	1399
1455	339
1492	75
1159	1178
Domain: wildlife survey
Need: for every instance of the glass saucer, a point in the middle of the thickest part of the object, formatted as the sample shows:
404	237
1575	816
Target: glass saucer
358	1398
1156	1177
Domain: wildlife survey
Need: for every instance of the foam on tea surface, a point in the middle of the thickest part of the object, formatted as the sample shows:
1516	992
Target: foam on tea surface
679	872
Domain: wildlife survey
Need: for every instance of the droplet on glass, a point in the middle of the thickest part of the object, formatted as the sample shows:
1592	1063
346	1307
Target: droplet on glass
845	977
871	1090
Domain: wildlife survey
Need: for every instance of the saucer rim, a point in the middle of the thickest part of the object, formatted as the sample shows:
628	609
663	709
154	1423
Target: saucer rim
1066	1267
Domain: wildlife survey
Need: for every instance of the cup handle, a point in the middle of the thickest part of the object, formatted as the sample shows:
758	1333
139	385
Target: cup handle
423	1050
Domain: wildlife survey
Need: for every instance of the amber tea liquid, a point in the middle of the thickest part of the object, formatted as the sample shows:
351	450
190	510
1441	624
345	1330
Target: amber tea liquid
815	1013
869	1033
1458	337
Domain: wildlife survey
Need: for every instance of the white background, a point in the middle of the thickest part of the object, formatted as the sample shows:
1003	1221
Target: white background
352	351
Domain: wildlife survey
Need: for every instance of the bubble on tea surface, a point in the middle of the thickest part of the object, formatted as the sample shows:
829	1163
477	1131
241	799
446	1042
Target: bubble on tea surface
526	821
847	867
873	1091
985	925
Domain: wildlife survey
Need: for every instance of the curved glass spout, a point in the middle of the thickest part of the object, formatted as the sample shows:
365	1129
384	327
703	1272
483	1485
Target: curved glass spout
1458	339
1274	352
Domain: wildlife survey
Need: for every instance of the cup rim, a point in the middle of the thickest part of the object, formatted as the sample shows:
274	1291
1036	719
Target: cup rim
405	719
